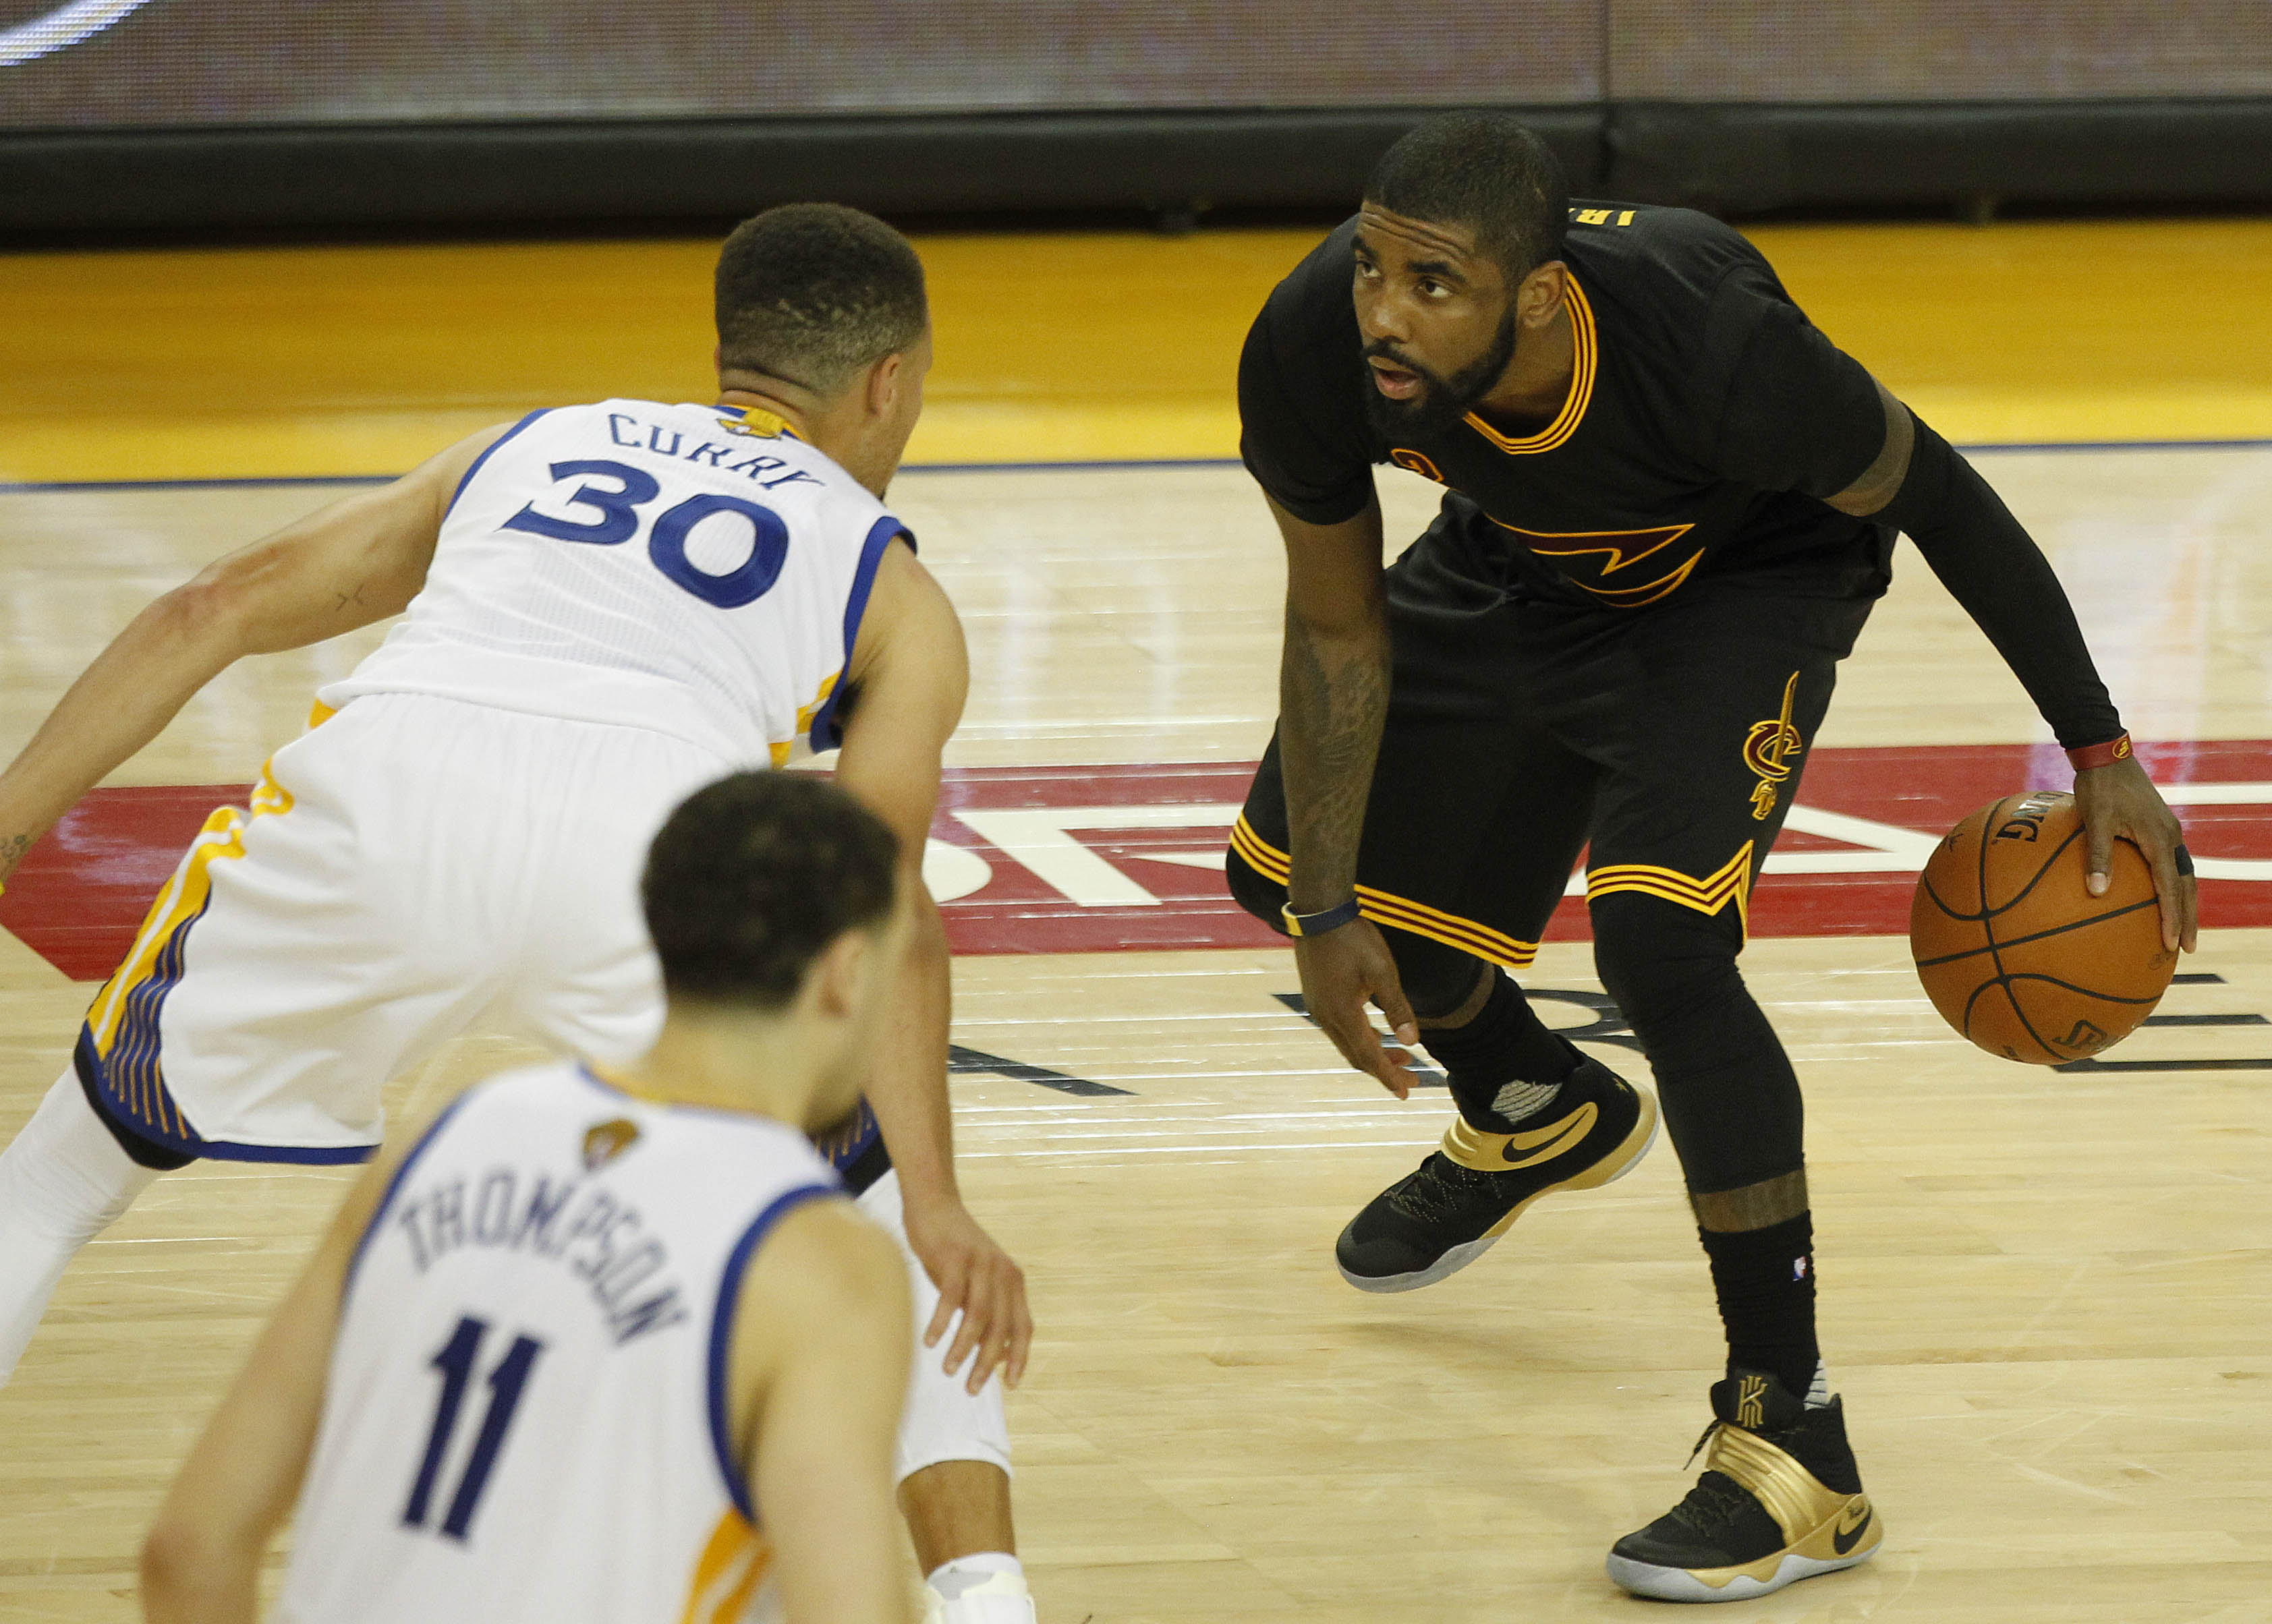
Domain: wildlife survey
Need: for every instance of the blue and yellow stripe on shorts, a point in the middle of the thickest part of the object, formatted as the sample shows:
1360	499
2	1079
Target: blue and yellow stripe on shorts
1400	913
118	1046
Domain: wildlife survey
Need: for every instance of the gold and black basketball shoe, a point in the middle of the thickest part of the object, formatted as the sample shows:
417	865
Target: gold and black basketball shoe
1780	1501
1466	1196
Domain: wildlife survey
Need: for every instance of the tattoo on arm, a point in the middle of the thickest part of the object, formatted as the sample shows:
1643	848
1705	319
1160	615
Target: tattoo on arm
12	850
1333	698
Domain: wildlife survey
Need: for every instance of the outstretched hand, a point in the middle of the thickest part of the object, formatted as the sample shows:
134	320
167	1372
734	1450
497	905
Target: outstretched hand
977	1277
1341	972
2118	801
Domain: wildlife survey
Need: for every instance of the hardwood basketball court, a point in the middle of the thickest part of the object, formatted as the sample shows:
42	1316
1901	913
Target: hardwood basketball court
2043	1292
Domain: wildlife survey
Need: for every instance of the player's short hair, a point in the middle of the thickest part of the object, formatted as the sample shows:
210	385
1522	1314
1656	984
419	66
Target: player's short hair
1486	171
753	876
815	292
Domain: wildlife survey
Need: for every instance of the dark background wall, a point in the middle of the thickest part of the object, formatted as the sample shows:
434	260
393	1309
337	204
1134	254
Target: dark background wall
187	114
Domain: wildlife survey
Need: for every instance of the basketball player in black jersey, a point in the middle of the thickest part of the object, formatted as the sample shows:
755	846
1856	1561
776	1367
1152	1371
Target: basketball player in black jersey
1670	503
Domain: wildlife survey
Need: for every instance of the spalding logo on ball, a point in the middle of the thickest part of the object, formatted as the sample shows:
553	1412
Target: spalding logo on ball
2014	950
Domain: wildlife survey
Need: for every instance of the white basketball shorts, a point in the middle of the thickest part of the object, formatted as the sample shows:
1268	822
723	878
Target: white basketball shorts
413	868
409	867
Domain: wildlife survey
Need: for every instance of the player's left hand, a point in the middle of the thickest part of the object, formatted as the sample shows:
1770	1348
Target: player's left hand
977	1277
2119	802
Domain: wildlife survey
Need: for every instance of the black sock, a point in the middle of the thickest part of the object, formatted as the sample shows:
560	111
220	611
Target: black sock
1765	1280
1505	1043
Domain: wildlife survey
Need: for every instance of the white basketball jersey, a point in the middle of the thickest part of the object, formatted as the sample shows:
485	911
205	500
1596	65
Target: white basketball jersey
668	566
525	1417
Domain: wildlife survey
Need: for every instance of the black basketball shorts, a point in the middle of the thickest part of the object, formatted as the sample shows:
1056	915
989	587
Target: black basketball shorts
1665	742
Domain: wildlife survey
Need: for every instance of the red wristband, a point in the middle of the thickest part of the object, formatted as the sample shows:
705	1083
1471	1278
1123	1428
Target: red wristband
2085	756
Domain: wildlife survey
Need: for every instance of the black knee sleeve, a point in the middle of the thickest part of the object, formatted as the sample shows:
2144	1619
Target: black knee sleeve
1437	979
1730	1098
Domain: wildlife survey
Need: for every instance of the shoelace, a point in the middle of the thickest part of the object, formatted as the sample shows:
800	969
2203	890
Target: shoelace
1718	1500
1438	1193
1714	1504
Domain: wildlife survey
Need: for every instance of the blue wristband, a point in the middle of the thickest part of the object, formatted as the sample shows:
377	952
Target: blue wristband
1318	924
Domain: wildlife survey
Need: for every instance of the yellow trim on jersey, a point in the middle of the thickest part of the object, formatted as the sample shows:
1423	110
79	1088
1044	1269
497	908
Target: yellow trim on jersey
1731	883
1386	908
1586	345
782	750
735	1561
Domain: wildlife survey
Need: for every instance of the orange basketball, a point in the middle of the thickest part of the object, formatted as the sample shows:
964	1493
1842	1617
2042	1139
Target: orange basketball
2016	953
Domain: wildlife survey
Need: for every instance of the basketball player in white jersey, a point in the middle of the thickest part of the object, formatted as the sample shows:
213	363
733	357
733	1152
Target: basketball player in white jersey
564	1359
608	605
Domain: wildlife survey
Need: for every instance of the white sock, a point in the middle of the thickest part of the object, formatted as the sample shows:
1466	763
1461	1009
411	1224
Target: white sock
62	1182
1818	1391
989	1587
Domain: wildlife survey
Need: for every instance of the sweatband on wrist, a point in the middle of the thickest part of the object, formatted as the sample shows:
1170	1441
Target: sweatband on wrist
2083	758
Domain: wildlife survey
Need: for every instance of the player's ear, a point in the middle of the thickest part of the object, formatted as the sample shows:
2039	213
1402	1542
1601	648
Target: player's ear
837	975
886	379
1538	300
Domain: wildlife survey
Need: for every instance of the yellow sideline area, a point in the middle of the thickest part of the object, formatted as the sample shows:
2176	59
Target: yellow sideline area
1053	346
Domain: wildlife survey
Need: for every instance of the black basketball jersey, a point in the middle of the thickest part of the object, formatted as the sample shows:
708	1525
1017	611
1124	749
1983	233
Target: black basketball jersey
1705	419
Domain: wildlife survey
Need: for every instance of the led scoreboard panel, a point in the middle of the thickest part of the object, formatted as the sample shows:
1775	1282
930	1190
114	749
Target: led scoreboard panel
256	62
206	63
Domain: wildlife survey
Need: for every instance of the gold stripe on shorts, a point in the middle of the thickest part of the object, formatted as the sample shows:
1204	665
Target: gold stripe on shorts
1399	912
1731	882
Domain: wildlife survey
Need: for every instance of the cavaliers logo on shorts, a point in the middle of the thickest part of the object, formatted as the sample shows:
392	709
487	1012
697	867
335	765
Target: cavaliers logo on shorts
1771	749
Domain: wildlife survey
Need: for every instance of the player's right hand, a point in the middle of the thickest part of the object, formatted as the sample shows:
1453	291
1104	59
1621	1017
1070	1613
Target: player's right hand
981	1294
2118	801
1341	972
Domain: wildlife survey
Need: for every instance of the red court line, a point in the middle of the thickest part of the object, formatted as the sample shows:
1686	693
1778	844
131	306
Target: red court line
81	890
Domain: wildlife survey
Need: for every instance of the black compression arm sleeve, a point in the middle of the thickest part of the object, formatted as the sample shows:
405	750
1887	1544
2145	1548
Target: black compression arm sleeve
1992	567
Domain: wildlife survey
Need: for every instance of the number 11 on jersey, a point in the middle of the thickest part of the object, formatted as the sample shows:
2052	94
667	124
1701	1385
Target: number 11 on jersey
456	1361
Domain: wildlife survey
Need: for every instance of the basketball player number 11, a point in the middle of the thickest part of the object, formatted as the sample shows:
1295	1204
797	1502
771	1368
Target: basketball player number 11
456	1362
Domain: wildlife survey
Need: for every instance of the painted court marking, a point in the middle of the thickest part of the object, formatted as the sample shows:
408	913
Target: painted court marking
1088	860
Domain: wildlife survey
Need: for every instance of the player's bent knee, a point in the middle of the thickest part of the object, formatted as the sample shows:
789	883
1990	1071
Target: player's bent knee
1437	979
945	1424
1660	960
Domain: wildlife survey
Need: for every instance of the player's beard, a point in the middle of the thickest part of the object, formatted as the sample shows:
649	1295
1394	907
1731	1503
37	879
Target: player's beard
1443	401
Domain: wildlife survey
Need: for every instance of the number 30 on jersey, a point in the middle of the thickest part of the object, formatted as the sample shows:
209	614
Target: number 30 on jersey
619	519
